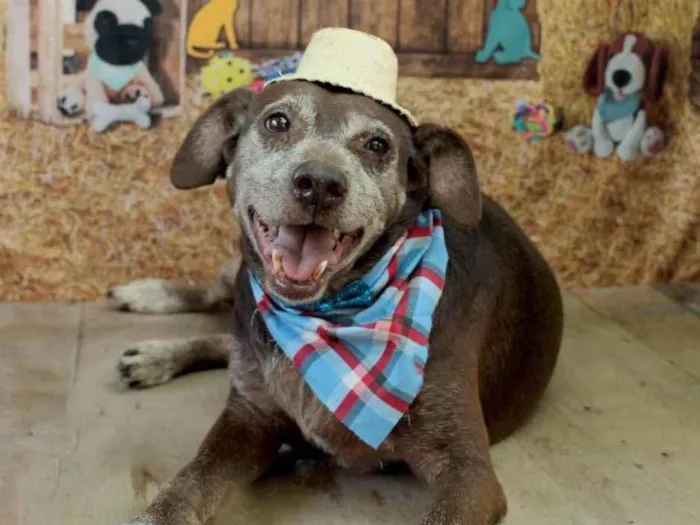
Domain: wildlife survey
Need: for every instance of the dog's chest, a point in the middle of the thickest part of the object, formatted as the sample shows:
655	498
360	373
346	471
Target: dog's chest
318	425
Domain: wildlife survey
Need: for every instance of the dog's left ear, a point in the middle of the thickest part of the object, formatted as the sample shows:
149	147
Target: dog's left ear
453	184
656	74
154	6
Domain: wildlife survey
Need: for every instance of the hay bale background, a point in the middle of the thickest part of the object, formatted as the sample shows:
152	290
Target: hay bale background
80	212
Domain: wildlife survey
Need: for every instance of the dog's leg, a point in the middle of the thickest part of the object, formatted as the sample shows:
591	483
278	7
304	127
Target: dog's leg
602	143
151	363
467	491
629	146
238	449
465	487
159	296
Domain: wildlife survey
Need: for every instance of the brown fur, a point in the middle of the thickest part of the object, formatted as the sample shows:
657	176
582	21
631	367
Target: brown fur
493	350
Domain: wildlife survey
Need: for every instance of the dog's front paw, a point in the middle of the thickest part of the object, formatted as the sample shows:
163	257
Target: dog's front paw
653	141
148	296
70	102
148	364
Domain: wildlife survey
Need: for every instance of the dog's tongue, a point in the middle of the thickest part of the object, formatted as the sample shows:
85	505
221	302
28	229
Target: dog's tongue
303	248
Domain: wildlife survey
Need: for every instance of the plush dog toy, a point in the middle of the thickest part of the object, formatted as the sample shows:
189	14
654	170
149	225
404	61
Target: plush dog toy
118	34
136	109
623	75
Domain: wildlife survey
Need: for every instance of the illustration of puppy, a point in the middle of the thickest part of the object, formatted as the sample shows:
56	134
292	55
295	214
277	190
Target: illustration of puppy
509	38
118	34
207	23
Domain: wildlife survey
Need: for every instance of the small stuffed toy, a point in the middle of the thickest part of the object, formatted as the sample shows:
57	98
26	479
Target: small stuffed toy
535	121
119	34
624	75
134	108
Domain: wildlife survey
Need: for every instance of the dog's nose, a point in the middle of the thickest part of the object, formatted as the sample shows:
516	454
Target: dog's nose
317	185
621	78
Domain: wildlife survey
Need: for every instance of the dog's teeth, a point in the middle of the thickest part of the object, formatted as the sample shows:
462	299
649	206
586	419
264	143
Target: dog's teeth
318	272
276	260
336	235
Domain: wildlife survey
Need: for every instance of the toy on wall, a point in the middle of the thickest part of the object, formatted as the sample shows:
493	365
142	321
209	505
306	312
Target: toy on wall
536	121
212	19
226	71
624	75
509	36
118	34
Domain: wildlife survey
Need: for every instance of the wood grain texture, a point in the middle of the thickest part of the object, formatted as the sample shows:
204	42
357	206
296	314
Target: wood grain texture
466	23
275	23
17	58
377	18
316	14
422	26
243	22
167	55
614	440
456	65
530	12
49	45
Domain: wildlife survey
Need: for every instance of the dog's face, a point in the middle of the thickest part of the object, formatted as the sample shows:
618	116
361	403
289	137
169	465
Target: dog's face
625	73
120	31
630	64
322	182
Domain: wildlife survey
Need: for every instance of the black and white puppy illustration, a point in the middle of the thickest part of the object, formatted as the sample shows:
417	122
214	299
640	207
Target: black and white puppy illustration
624	75
119	34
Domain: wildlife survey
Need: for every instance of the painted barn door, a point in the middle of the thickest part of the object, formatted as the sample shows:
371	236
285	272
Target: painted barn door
431	37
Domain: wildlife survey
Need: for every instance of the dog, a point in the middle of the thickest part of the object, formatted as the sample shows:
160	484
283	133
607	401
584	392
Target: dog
327	185
118	34
203	34
509	38
623	75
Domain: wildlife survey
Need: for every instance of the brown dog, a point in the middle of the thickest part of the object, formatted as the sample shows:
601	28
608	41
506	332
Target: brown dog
497	328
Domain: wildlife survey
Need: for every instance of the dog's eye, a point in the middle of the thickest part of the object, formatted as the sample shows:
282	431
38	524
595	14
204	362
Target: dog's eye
277	123
377	145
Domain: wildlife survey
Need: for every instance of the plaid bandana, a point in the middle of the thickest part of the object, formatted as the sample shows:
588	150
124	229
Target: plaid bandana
362	352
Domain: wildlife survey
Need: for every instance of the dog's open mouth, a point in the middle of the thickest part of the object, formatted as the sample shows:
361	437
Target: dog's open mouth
297	257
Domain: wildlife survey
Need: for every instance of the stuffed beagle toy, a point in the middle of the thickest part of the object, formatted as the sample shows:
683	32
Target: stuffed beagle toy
625	75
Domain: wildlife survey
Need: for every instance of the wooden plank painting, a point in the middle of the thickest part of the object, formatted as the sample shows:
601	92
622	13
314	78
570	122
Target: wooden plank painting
102	61
450	38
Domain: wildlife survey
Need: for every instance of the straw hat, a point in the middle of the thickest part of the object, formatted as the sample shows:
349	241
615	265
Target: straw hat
353	60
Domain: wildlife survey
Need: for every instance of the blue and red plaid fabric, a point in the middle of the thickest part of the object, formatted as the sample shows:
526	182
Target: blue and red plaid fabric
363	351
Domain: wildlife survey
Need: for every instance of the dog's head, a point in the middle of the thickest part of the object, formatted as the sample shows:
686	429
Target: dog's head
323	181
630	64
120	31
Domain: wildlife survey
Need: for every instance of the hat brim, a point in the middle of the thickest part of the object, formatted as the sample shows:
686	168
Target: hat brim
321	80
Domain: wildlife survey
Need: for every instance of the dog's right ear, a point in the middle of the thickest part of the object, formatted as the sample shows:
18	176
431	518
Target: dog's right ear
209	146
594	78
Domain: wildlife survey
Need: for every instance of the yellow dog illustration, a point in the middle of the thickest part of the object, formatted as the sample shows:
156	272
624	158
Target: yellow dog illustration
203	33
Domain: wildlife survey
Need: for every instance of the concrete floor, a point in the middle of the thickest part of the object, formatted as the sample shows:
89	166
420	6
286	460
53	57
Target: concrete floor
616	441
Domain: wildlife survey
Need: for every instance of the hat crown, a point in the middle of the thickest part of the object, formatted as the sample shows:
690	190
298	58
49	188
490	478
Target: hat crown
353	60
364	62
